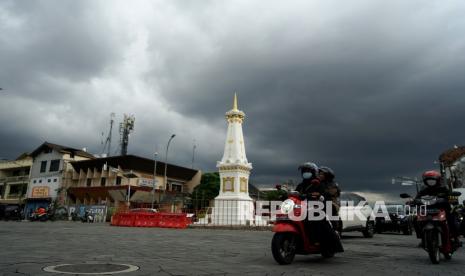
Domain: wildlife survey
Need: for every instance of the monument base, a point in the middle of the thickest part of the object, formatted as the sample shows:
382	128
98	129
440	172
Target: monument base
233	211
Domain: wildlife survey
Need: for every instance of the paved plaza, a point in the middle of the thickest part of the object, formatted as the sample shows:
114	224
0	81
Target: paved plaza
28	247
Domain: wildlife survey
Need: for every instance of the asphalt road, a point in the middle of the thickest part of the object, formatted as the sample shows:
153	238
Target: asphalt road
27	247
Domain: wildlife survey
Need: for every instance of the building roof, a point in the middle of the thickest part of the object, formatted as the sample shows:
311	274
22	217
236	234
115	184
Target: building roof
62	149
136	163
451	155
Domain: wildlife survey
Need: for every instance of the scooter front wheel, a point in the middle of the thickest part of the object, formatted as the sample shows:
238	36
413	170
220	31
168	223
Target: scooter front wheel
432	245
283	247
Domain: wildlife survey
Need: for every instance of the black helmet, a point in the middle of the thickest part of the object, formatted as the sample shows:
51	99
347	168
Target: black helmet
309	166
328	172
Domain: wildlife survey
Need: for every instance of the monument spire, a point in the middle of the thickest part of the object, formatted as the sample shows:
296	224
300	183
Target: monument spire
235	102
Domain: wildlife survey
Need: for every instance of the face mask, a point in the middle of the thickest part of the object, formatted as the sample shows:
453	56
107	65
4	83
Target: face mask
307	175
431	182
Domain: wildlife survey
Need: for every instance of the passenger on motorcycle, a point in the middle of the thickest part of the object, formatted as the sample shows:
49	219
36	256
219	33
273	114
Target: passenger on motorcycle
311	187
332	191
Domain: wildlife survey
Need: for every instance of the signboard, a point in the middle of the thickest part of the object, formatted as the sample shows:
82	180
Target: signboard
146	182
99	212
40	192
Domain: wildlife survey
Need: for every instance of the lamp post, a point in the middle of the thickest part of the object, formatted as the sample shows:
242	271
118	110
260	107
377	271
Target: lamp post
154	178
193	154
166	161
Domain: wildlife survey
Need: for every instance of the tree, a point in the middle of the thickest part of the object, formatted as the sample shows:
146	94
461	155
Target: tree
208	189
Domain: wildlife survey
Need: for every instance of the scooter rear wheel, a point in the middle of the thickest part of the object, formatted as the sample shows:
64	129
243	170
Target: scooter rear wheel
283	247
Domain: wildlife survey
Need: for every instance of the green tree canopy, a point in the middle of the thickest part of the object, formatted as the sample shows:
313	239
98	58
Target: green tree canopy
208	188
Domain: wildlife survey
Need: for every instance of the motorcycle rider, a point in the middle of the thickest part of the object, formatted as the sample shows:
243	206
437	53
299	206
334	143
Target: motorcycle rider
310	183
332	191
311	188
434	187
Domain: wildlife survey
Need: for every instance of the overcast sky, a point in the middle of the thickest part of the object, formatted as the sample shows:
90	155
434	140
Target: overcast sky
374	89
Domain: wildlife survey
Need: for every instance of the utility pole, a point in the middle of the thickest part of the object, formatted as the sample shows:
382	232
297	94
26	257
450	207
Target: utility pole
107	145
154	178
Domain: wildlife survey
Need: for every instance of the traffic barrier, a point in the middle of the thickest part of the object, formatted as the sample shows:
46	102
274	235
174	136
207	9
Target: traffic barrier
162	220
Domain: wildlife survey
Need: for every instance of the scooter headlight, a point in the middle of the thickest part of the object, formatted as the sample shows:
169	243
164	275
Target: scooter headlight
287	206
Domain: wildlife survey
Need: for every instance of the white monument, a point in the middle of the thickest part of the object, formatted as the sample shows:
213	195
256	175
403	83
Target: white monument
233	206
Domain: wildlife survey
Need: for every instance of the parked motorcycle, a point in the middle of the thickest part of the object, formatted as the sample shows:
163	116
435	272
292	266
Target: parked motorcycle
461	218
42	214
432	223
291	237
88	217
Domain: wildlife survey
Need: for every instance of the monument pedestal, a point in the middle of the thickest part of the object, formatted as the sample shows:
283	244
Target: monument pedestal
233	211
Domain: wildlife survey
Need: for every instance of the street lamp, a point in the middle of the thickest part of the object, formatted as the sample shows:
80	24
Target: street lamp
166	161
193	154
154	178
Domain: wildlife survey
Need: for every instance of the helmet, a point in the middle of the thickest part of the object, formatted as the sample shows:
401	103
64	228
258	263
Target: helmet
308	166
328	172
431	178
308	170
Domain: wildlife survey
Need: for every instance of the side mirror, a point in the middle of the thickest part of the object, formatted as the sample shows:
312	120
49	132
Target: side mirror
456	193
405	196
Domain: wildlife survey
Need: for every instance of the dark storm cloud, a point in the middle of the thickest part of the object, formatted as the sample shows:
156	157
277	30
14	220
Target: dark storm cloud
372	89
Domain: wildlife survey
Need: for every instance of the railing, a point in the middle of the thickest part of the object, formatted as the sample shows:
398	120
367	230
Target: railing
230	213
9	179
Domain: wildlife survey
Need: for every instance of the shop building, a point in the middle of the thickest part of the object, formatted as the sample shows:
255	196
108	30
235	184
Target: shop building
50	165
14	179
127	181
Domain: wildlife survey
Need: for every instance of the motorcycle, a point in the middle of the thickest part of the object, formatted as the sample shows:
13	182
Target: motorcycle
433	227
87	217
291	237
42	215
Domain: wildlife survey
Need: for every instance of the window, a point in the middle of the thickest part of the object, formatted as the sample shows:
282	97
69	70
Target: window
55	180
89	182
17	191
103	181
40	180
176	187
118	180
35	181
43	166
49	180
54	165
16	173
48	150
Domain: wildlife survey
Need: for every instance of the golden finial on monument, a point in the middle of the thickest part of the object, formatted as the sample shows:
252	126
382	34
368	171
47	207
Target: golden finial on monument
235	102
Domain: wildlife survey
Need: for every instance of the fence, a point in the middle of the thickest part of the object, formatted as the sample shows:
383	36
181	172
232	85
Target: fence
231	213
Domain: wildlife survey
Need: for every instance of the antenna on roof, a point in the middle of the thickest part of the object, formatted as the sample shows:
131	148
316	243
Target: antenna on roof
107	145
125	128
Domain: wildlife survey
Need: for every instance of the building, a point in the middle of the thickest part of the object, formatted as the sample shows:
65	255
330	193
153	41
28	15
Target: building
234	206
453	166
14	179
50	163
108	181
